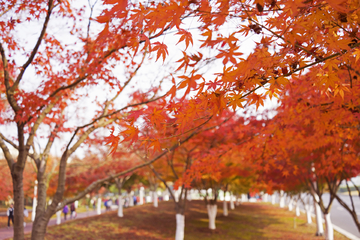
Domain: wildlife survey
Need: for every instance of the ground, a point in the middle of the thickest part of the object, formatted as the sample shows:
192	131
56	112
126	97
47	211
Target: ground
247	221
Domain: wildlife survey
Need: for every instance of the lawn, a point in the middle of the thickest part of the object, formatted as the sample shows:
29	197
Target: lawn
247	221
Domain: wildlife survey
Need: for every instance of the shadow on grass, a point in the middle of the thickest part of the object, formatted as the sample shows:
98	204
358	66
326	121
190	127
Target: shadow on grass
247	221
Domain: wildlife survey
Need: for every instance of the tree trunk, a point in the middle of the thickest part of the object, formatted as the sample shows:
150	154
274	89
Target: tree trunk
131	199
297	209
329	228
290	204
282	199
41	216
243	198
212	210
180	226
265	197
225	208
58	217
319	226
155	199
120	209
17	178
308	211
232	206
273	199
141	196
98	209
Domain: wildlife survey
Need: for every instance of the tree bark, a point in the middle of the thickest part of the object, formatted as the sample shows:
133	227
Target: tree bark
17	178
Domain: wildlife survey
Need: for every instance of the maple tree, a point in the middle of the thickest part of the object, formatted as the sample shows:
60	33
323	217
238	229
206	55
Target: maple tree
321	37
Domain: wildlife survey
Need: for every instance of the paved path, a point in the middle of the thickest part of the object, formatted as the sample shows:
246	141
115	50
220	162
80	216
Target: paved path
6	233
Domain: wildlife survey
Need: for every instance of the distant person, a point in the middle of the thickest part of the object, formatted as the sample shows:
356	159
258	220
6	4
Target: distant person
135	200
65	211
94	204
10	214
26	214
73	211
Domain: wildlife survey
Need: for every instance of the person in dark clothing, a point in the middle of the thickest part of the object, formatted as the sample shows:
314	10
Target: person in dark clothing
65	211
72	209
10	214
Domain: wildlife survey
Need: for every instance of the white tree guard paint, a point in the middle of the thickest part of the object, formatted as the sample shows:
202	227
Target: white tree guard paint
151	197
237	202
155	199
120	209
189	195
265	197
98	210
131	199
225	208
273	198
308	213
58	217
212	210
282	199
232	206
180	227
290	204
141	196
319	226
76	203
243	198
329	234
297	209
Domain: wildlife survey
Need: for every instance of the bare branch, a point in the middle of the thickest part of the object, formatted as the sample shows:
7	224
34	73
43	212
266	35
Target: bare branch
7	154
36	48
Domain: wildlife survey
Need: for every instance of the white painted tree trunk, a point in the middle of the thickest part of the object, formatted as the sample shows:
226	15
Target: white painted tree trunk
232	206
243	198
151	197
189	195
120	209
282	199
212	210
131	200
290	204
180	227
58	217
329	235
225	208
166	197
155	199
33	212
319	226
98	210
141	196
237	203
308	211
265	197
273	198
297	209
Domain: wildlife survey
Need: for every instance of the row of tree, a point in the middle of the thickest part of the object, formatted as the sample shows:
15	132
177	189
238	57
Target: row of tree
74	73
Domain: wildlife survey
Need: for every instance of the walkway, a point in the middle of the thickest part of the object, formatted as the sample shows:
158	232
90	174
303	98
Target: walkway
6	233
